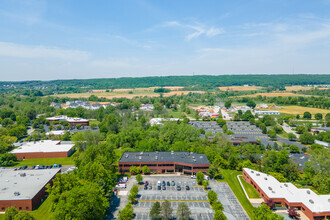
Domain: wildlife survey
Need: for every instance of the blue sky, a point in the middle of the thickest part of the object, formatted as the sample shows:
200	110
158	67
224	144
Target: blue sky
68	39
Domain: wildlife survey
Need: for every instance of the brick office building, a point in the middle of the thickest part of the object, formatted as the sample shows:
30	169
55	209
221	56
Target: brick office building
24	189
165	162
312	205
43	149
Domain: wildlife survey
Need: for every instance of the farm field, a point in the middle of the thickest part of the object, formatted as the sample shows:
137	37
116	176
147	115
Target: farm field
271	94
240	88
125	93
295	110
149	89
297	88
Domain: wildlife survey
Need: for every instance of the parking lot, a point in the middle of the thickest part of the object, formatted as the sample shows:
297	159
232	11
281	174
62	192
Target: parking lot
195	198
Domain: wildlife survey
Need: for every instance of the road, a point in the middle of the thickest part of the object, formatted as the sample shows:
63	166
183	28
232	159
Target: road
288	129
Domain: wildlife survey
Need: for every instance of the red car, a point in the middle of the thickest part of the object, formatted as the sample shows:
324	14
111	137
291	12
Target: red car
146	183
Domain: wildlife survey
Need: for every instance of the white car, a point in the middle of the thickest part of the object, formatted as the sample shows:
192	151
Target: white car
193	177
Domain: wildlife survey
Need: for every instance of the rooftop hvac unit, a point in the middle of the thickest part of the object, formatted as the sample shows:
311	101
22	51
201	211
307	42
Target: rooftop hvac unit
23	174
270	188
308	192
201	157
286	185
258	174
126	155
311	201
265	178
17	193
194	160
156	157
141	152
140	158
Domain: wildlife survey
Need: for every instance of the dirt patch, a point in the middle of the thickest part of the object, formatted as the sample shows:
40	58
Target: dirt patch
272	94
239	88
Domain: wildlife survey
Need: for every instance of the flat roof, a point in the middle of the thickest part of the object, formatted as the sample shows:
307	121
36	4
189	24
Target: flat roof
275	189
23	184
66	118
45	146
165	156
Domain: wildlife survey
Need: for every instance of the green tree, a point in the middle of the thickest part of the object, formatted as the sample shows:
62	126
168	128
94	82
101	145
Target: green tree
301	129
166	210
155	211
307	115
217	205
146	170
278	176
263	212
23	215
127	213
227	104
205	184
212	196
318	116
82	202
292	136
306	138
218	215
200	177
251	104
183	212
10	213
221	122
139	178
132	170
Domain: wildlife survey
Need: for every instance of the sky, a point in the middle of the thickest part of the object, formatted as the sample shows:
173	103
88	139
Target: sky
71	39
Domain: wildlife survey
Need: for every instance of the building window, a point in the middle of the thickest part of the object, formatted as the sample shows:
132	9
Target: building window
20	208
3	208
303	208
27	208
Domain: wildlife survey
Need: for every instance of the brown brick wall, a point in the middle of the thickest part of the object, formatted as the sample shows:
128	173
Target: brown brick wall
41	155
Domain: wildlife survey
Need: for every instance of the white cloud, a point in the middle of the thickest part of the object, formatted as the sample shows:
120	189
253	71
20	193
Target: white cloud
33	52
198	29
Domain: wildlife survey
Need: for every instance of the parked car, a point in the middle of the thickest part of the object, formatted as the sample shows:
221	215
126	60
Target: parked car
159	188
178	188
173	183
46	167
163	183
60	165
55	165
24	167
146	183
145	187
50	167
193	177
164	187
33	167
168	183
187	188
150	187
121	185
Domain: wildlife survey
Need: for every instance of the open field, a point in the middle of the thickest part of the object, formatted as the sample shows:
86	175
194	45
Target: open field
173	88
271	94
295	110
125	94
45	161
297	88
239	88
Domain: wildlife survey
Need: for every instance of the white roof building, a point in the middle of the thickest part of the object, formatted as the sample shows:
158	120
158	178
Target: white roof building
267	112
44	146
277	190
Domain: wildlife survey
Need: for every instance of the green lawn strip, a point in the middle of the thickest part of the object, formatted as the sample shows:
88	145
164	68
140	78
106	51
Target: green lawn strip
43	212
252	192
175	114
2	216
161	200
45	161
230	176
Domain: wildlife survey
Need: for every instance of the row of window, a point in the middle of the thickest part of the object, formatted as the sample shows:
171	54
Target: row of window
19	208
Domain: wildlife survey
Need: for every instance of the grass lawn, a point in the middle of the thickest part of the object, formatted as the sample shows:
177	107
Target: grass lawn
294	110
45	161
252	192
177	114
230	176
43	211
